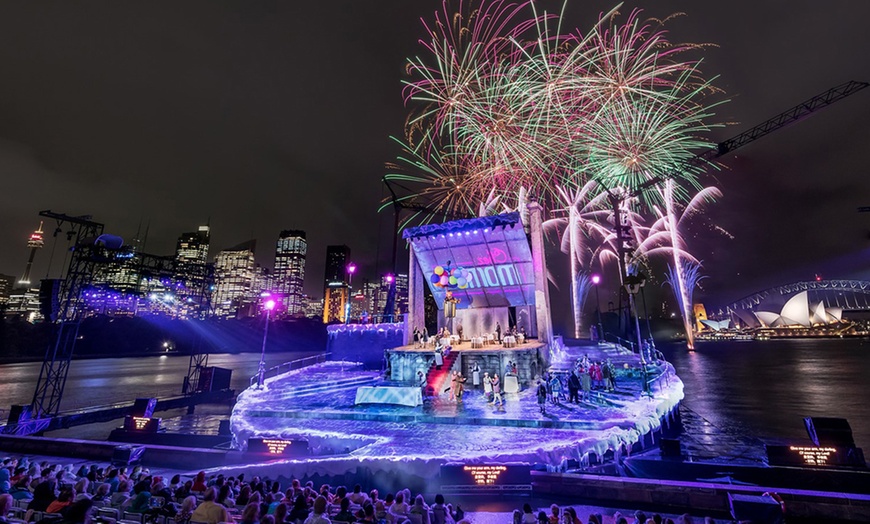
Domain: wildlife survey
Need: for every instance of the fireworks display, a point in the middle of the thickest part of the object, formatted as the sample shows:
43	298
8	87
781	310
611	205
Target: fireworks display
506	102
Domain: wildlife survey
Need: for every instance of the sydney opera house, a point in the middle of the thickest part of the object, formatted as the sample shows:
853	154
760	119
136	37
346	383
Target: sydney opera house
798	317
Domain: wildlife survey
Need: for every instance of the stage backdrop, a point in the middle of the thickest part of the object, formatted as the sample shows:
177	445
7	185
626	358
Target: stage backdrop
494	250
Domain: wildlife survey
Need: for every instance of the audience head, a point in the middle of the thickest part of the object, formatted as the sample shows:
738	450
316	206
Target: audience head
400	497
527	508
267	519
344	504
189	504
79	511
209	495
251	512
320	505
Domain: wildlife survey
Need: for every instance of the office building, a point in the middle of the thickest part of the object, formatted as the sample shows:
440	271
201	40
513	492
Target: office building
235	272
289	274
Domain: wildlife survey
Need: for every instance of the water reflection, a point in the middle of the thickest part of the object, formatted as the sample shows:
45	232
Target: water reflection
764	389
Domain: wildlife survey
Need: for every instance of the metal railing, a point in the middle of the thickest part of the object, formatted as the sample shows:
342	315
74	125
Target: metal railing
290	366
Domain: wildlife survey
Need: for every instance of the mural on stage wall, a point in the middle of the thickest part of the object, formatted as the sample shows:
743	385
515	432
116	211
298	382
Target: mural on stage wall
477	269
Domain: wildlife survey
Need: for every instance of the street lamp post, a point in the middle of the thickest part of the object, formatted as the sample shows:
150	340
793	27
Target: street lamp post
261	371
596	279
351	269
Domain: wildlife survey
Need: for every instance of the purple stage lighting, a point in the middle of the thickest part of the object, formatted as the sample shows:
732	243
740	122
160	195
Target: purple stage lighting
269	305
596	279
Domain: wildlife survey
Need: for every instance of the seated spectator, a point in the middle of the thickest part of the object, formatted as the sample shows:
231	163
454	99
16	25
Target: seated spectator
357	497
5	484
318	515
184	490
419	508
186	511
281	511
267	519
81	488
528	515
381	511
244	496
102	493
21	489
554	514
199	483
63	500
399	510
368	516
210	511
141	503
344	514
440	514
251	514
224	497
6	502
570	516
299	512
78	512
122	494
542	517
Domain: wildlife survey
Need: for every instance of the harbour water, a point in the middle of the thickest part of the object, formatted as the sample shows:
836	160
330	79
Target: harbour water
105	381
764	389
761	389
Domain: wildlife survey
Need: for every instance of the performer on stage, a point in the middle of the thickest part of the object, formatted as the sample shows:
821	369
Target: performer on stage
487	386
475	375
496	391
498	332
459	386
439	356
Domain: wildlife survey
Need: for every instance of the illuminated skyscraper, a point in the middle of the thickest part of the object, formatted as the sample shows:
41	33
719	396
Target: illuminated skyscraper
234	279
193	247
336	286
35	242
289	273
191	255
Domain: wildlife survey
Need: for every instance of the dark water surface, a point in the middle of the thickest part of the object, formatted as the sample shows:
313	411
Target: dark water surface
765	388
110	380
762	389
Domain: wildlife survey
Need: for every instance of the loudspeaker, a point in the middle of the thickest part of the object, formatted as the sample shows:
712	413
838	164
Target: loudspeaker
825	431
670	448
126	455
49	298
144	407
754	508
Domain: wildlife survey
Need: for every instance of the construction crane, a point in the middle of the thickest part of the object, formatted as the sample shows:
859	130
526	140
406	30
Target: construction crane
786	118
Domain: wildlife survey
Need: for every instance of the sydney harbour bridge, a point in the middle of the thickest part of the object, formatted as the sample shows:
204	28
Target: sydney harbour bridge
850	295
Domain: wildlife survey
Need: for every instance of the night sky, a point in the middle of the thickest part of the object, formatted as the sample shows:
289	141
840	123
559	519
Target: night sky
262	116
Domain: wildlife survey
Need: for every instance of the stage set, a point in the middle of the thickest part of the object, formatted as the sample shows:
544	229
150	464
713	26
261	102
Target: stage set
385	402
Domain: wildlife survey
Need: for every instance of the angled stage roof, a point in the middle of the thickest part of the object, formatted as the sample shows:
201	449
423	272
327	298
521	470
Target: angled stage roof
494	249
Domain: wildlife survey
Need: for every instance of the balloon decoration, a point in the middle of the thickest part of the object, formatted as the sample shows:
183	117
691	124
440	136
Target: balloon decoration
448	277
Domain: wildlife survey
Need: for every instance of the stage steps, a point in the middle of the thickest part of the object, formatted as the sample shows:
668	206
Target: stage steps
437	378
329	386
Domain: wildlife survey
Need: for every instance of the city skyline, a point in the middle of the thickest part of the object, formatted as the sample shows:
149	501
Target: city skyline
137	132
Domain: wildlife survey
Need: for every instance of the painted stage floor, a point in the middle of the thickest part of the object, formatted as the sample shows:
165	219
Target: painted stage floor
317	404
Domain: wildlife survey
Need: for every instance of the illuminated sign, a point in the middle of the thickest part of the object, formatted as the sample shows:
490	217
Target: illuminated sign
494	251
277	446
477	477
144	424
813	456
484	475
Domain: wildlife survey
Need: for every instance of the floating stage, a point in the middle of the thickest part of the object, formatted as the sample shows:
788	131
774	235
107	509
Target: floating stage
320	405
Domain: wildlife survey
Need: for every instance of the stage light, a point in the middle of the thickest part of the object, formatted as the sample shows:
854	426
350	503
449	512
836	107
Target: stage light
596	279
270	305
